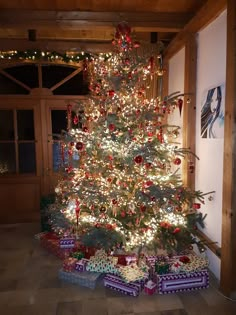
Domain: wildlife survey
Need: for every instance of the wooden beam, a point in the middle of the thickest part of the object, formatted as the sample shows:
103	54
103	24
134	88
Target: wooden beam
189	108
54	87
206	14
139	21
56	45
228	261
15	80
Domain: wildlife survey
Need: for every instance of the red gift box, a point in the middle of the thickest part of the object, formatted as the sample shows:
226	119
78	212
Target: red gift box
150	287
69	264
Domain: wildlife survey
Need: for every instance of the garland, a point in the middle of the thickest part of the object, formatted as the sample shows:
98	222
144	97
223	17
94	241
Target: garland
38	55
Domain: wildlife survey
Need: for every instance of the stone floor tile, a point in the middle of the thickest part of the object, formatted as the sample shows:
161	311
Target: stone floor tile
8	284
167	302
69	308
121	305
96	306
174	312
145	303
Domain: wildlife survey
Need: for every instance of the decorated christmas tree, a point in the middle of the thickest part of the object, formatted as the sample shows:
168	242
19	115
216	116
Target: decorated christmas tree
121	187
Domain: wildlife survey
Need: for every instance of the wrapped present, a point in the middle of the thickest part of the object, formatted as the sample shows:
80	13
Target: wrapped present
86	279
131	273
103	263
172	283
176	266
69	264
130	259
67	242
162	267
151	260
116	283
77	255
150	287
52	246
81	265
195	263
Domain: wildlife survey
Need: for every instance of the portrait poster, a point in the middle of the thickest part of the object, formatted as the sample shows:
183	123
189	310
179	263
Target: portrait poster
213	112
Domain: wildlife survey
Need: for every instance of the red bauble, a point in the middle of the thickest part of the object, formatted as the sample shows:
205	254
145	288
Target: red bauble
114	201
136	44
138	159
149	183
177	161
75	120
111	93
196	205
112	127
176	230
79	146
143	208
72	143
123	214
123	28
148	165
85	129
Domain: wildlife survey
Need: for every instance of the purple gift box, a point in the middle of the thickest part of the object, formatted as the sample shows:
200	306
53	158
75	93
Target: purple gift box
81	264
116	283
172	283
67	242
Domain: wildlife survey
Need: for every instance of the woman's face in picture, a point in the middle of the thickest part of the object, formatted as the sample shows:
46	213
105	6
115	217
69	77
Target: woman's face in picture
214	101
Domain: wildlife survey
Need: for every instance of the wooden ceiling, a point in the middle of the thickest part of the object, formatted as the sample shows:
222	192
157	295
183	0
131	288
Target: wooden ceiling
89	24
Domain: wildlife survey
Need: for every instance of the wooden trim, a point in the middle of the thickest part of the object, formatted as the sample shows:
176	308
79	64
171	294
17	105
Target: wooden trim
15	80
66	79
206	14
228	261
209	243
189	108
16	140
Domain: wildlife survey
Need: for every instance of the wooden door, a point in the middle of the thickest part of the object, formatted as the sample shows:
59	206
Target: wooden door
55	112
20	159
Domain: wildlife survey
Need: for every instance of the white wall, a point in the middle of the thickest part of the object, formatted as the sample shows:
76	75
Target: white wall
211	70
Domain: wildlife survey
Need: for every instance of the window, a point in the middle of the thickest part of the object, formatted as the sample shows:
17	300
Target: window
17	142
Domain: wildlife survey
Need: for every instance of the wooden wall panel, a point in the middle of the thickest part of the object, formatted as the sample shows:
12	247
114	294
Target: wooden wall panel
19	202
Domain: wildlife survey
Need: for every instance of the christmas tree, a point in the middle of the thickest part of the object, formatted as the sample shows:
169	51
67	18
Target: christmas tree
121	187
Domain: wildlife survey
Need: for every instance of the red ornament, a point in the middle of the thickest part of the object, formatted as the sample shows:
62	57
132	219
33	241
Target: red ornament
79	146
148	165
112	127
176	230
123	28
196	205
111	93
114	202
177	161
123	214
143	208
85	129
148	183
184	259
136	44
72	143
75	120
138	159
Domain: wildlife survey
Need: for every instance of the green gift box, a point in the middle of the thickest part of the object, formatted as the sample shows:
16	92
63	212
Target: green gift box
77	255
162	268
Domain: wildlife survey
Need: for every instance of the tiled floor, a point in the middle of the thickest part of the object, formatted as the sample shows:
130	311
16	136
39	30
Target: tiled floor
29	286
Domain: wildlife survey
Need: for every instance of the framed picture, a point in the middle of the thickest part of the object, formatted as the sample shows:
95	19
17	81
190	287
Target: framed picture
213	112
